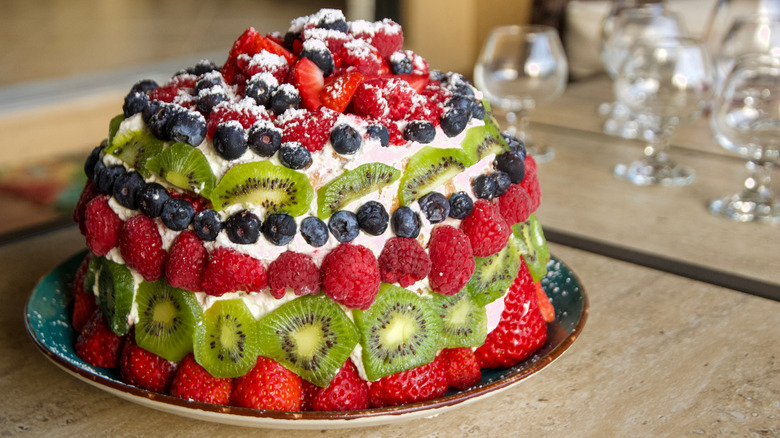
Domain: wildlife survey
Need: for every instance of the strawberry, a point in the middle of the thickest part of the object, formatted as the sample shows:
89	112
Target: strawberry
309	128
486	228
250	43
193	382
141	246
166	93
309	80
545	306
97	345
186	261
144	369
102	226
264	62
521	329
83	300
268	385
425	382
460	366
358	55
338	90
333	39
80	212
229	271
346	392
418	82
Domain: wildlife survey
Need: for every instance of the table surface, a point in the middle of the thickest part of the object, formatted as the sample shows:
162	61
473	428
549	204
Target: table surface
667	349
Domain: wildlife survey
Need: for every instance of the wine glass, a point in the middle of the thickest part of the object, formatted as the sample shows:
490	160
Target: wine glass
746	119
666	80
748	34
725	13
518	68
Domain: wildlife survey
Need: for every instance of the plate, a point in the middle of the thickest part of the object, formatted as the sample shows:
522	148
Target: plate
48	323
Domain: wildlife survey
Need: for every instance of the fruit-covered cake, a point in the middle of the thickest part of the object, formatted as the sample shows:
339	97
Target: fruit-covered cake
320	223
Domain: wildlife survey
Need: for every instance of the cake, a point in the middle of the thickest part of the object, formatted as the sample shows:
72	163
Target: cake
320	223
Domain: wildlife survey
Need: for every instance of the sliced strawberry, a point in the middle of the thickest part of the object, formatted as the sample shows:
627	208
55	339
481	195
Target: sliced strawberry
166	93
338	90
250	43
309	80
545	306
418	82
275	37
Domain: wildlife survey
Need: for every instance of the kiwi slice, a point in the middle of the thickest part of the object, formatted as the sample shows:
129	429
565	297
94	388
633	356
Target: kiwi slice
276	188
185	167
354	184
400	331
494	274
481	141
166	319
464	321
113	127
531	243
428	169
226	343
115	298
311	336
134	147
93	269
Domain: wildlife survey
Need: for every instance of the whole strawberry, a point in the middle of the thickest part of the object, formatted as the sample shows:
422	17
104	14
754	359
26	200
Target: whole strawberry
193	382
186	261
521	329
97	345
350	276
452	260
425	382
229	271
269	386
346	392
141	247
460	366
486	228
102	226
83	301
144	369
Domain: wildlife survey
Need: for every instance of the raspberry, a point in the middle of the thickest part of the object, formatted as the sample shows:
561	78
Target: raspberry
487	230
460	366
83	300
350	276
332	38
165	93
403	261
386	35
425	109
359	56
144	369
245	112
515	205
264	62
452	261
198	202
436	92
141	247
310	128
229	271
531	183
80	212
384	98
425	382
346	392
186	262
102	226
193	382
295	271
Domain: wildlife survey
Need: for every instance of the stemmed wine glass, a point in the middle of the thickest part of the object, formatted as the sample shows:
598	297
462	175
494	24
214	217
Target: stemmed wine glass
518	68
746	119
748	34
666	80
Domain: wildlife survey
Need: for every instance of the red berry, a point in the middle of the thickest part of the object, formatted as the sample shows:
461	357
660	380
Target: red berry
436	93
487	230
403	261
521	329
357	55
418	82
452	260
198	202
350	276
460	366
186	261
425	109
531	183
515	205
144	369
309	80
83	300
166	93
295	271
386	35
102	226
425	382
309	128
141	247
97	345
338	90
269	386
545	306
346	392
264	62
243	112
384	98
250	43
229	271
333	39
193	382
80	212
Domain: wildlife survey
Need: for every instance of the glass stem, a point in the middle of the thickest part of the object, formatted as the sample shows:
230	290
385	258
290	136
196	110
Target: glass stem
757	185
657	149
518	124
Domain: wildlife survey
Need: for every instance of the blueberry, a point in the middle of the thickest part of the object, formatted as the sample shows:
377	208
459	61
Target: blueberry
206	102
92	160
151	198
373	218
457	84
344	226
158	123
379	132
279	228
478	110
435	207
437	75
338	24
318	53
243	227
126	189
188	127
461	102
515	145
177	214
230	140
289	40
484	187
405	222
419	131
294	155
135	102
512	165
264	139
260	89
345	139
144	86
150	110
454	121
209	80
314	231
503	181
202	67
400	64
460	205
105	176
207	224
284	98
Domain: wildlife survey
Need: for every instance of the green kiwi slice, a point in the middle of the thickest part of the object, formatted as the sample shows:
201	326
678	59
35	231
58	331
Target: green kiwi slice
400	331
464	321
226	342
276	188
428	169
116	289
134	147
481	141
166	319
494	274
185	167
93	269
311	336
113	127
354	184
531	243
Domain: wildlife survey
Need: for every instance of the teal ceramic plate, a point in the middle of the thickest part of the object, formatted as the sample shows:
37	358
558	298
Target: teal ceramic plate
48	324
